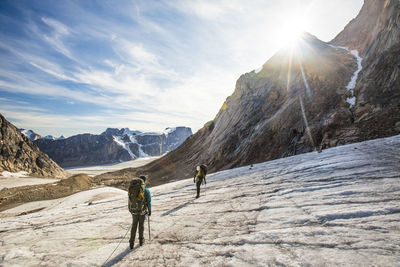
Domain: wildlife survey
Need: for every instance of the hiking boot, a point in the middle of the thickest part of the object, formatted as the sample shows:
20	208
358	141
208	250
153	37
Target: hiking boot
131	244
197	196
141	242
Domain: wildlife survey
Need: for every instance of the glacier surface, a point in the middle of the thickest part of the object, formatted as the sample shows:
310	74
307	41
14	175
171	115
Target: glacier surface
339	207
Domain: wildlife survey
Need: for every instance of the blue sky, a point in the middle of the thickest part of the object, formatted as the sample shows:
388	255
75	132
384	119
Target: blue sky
69	67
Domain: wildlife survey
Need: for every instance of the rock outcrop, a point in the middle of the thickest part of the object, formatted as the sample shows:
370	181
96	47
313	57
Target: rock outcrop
19	153
113	145
315	96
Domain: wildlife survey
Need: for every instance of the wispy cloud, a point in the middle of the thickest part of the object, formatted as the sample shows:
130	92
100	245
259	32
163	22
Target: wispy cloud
59	28
144	64
56	38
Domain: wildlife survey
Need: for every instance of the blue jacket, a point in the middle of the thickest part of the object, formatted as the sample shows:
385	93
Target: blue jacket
147	196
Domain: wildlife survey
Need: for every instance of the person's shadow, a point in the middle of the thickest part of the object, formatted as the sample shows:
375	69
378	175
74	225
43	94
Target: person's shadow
118	258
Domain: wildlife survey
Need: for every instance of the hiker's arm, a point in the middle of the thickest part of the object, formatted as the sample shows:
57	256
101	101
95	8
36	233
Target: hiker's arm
129	204
148	199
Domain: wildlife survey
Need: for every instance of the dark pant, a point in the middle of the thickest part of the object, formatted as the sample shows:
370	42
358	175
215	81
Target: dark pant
135	220
198	184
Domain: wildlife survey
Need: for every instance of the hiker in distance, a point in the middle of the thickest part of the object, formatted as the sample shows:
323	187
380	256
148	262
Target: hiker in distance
139	204
199	177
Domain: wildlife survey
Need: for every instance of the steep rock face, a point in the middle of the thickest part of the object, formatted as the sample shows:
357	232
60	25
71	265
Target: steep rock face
83	149
363	29
327	95
377	107
113	145
19	153
176	136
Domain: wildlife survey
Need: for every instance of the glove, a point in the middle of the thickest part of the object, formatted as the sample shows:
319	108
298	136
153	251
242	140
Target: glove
149	213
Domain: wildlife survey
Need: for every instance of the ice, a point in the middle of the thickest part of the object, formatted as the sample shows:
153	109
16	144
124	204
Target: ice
352	83
339	207
14	174
15	181
99	169
120	142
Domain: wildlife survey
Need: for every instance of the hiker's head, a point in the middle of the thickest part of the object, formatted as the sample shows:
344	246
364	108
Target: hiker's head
198	168
143	177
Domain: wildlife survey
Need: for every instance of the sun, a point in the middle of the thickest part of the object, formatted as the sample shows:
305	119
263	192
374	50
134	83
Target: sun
290	32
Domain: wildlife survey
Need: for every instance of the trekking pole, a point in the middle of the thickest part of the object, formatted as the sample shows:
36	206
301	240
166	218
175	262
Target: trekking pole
116	247
148	221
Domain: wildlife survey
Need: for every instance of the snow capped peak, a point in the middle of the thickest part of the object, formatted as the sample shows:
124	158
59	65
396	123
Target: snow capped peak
130	132
30	134
50	137
169	130
147	144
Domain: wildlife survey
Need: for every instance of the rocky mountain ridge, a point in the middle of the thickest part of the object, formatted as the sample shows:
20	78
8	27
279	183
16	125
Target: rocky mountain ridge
314	96
19	153
113	145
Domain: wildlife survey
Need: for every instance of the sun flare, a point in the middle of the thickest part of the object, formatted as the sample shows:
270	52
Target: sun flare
291	31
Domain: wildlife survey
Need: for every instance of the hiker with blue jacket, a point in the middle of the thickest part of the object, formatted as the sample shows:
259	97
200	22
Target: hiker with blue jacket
199	177
139	205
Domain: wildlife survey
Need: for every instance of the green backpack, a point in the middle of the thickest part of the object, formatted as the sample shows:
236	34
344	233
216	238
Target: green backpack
137	201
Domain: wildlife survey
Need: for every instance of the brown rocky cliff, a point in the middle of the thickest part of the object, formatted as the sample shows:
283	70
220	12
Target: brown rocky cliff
363	29
375	32
18	153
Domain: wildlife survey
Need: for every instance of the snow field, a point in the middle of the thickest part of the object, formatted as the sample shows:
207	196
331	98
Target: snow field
335	208
22	178
99	169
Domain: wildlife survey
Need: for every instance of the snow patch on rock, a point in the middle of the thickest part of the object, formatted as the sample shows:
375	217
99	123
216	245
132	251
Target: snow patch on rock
352	83
141	152
258	70
120	142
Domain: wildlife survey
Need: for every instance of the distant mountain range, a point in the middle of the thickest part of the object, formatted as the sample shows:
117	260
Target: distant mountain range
113	145
34	136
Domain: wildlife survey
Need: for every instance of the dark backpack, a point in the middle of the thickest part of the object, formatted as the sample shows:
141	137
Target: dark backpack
137	203
204	168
